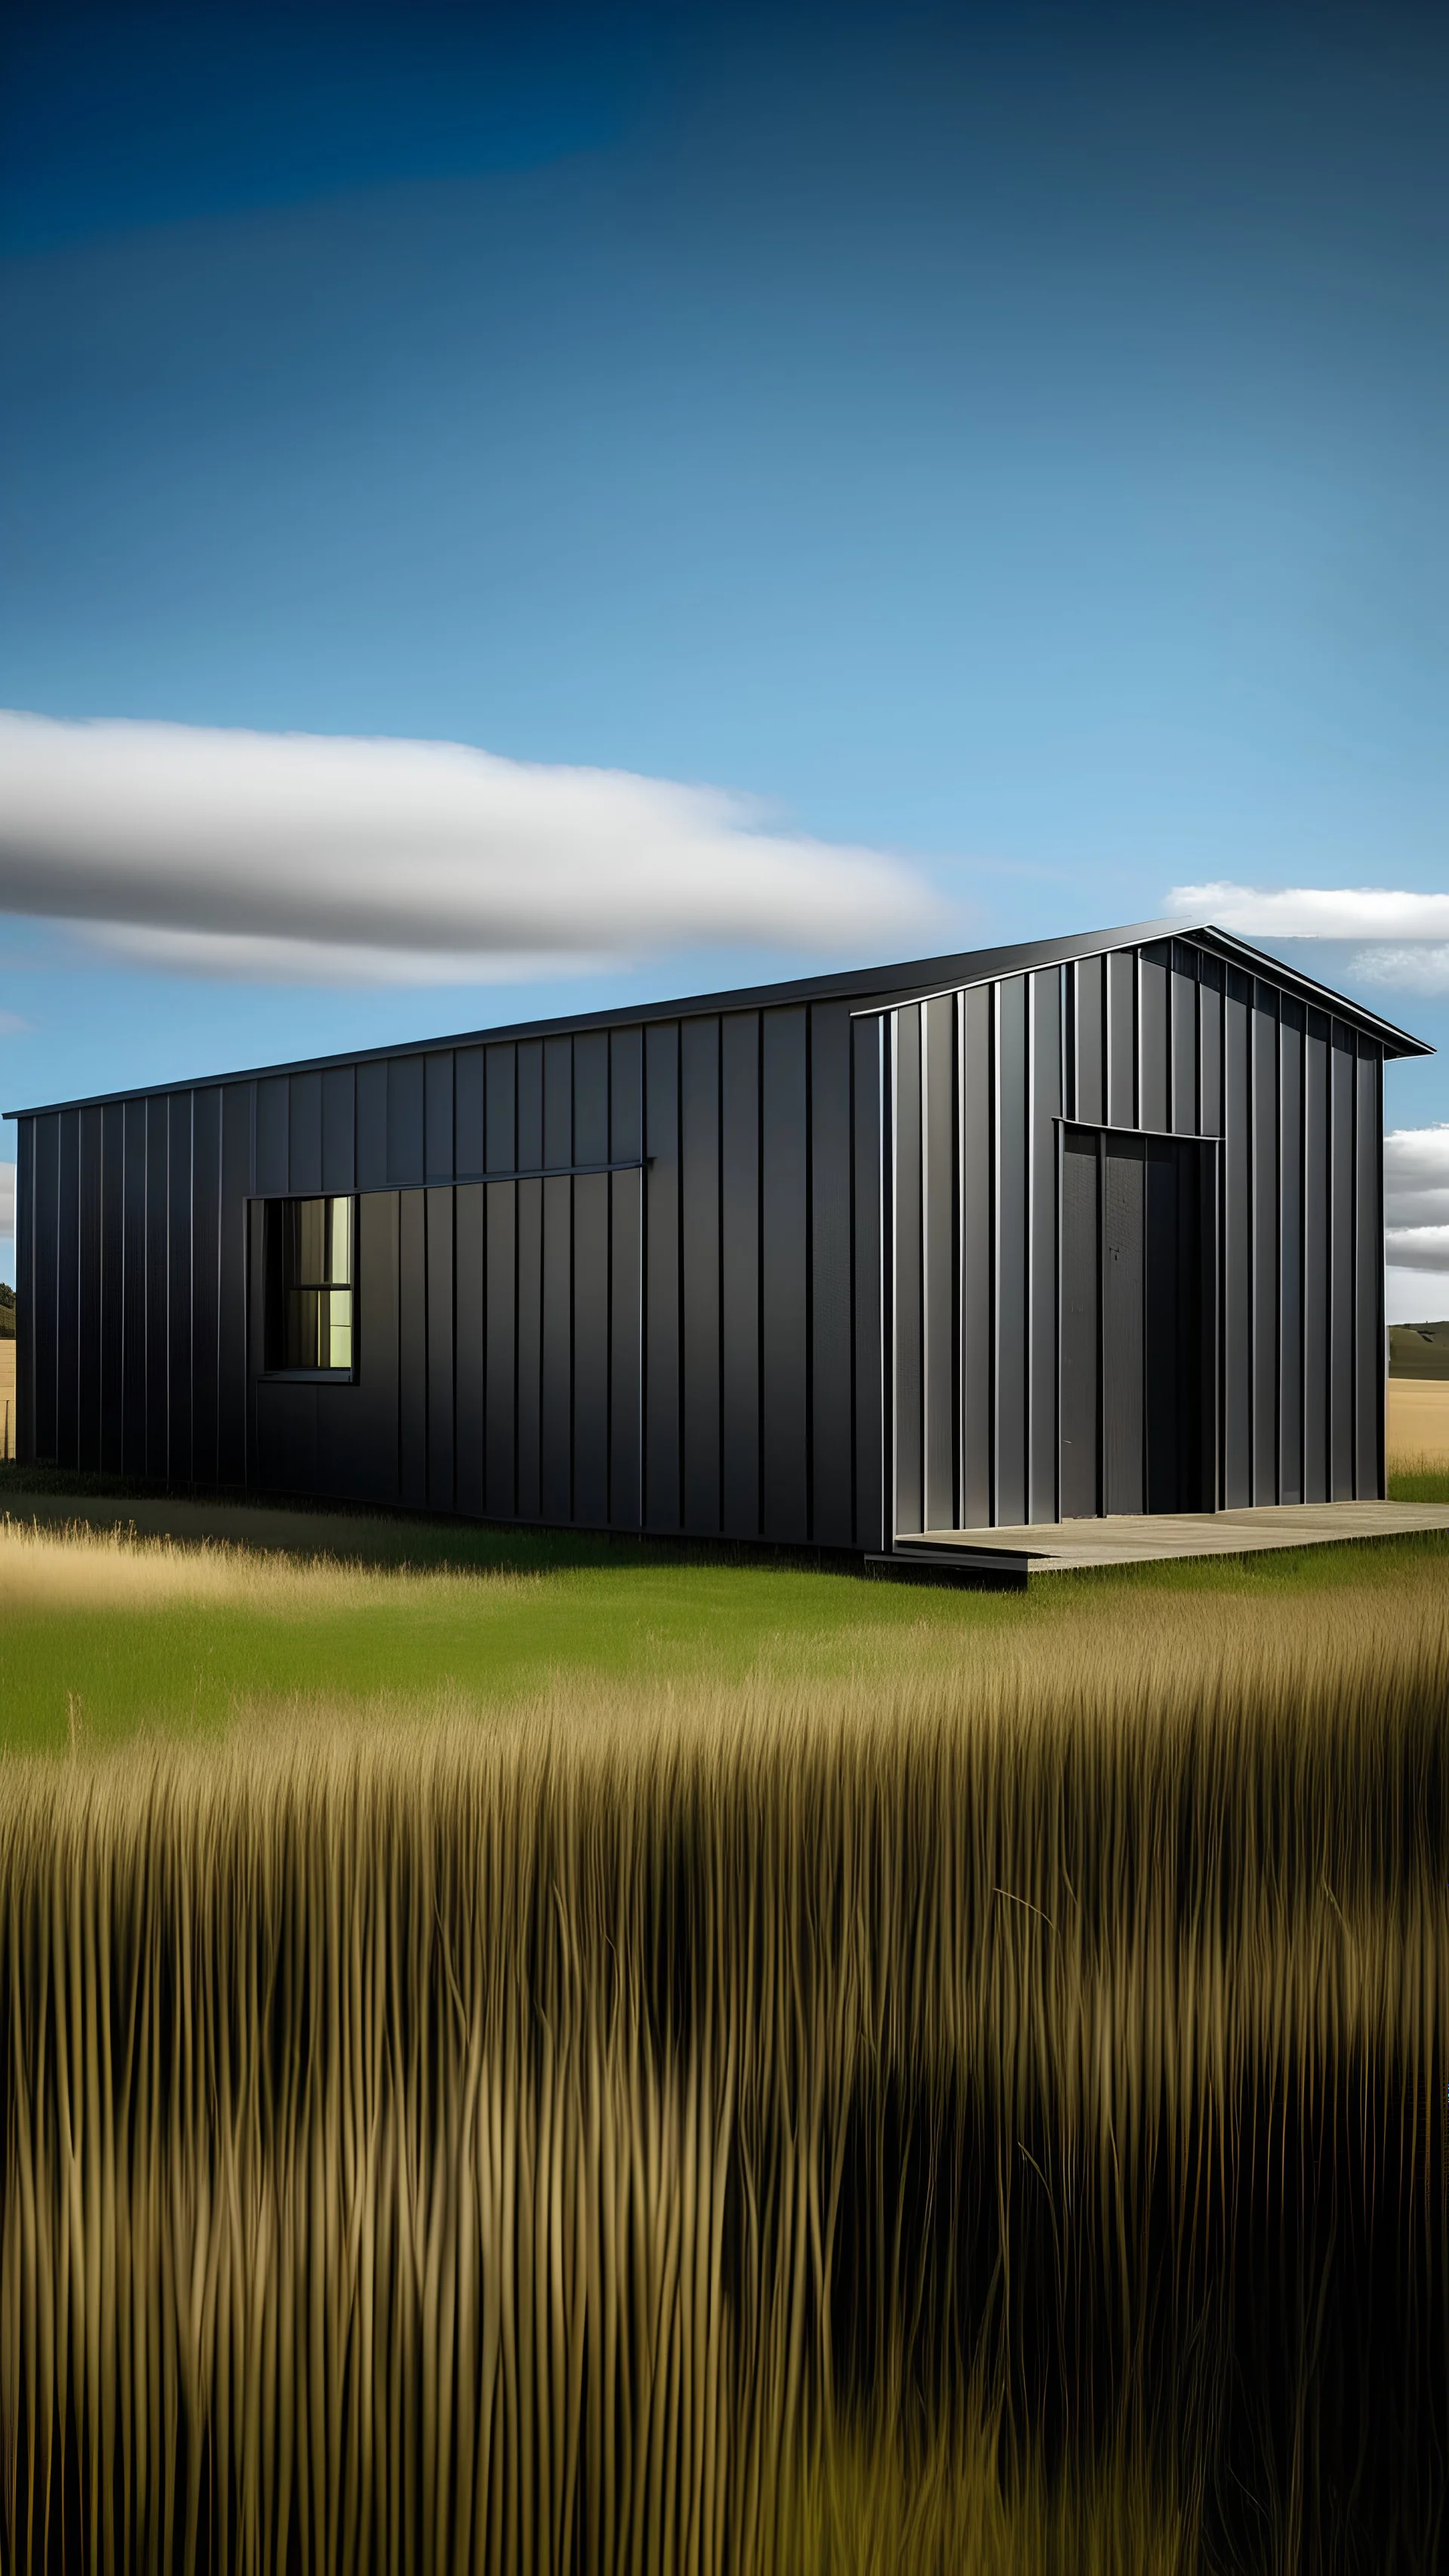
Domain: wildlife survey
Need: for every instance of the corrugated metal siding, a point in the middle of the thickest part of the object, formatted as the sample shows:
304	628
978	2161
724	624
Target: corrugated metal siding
1164	1039
687	1341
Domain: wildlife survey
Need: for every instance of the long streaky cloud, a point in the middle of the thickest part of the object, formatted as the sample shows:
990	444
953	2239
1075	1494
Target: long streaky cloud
301	857
7	1198
1315	912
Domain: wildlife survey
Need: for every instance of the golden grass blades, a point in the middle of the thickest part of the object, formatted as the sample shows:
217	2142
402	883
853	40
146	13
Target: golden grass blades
977	2115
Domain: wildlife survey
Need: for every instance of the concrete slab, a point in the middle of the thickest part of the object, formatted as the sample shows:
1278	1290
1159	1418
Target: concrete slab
1144	1538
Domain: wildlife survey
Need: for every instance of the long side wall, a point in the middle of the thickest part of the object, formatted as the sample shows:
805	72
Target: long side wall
1165	1038
751	1403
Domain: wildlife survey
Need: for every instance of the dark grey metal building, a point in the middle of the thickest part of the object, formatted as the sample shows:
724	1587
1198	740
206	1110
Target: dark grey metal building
1091	1225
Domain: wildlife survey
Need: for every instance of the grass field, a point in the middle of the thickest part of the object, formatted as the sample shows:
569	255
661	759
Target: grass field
556	2058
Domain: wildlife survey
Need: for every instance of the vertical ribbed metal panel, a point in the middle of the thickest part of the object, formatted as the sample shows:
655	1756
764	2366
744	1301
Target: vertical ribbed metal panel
469	1270
339	1156
1342	1206
556	1434
500	1439
438	1163
661	1290
205	1284
869	1150
785	1275
501	1109
1153	1040
1012	1147
44	1282
832	1279
1316	1265
412	1346
133	1266
1121	985
940	1224
1045	1110
274	1176
234	1390
1370	1347
89	1309
590	1352
405	1155
304	1135
1265	1198
67	1291
23	1425
1185	1114
1089	1028
113	1286
740	1271
468	1111
158	1277
626	1350
178	1299
591	1096
528	1075
626	1281
1236	1394
907	1268
529	1342
978	1252
371	1127
1290	1252
440	1340
699	1184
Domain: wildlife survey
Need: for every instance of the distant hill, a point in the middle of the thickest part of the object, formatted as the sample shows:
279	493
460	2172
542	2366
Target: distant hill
7	1313
1419	1350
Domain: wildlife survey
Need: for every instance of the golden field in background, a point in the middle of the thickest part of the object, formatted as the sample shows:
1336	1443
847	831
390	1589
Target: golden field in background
1418	1421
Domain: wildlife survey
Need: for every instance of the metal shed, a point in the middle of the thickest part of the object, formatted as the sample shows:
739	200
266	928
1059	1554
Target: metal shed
1087	1226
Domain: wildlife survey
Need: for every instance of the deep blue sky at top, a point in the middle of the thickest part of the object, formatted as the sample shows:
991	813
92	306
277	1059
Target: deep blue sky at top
1012	436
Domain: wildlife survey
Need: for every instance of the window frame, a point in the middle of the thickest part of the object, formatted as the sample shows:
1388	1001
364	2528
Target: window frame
274	1289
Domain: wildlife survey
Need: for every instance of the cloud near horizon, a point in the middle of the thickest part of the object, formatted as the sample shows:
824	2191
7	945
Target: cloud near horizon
306	858
1410	932
1416	1219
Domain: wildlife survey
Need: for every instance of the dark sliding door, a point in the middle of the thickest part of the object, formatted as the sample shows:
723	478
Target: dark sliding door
1138	1324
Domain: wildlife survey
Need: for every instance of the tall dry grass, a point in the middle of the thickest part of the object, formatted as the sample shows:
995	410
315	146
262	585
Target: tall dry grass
988	2120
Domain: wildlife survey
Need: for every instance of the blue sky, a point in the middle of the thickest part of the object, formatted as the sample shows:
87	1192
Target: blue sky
1011	441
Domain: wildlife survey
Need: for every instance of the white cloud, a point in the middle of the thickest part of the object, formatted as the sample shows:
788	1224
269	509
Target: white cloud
1416	1176
1418	1247
1416	1223
1315	912
304	857
7	1198
1414	970
1412	1297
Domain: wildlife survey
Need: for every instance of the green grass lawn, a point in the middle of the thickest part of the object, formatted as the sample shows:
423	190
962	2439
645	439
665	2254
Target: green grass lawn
402	1613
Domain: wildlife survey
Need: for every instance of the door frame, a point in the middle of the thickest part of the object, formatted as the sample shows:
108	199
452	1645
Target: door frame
1212	1209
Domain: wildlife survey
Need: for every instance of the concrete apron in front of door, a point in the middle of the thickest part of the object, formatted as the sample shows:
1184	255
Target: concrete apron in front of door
1015	1557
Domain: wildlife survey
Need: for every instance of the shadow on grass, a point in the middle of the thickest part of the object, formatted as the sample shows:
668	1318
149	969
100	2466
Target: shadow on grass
359	1533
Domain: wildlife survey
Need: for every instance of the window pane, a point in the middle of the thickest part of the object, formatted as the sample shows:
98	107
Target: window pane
310	1244
316	1284
317	1328
339	1328
340	1273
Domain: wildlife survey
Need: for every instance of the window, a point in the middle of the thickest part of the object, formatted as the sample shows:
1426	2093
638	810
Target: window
310	1267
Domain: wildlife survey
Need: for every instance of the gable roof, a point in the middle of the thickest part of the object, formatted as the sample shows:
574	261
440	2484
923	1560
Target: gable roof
870	987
